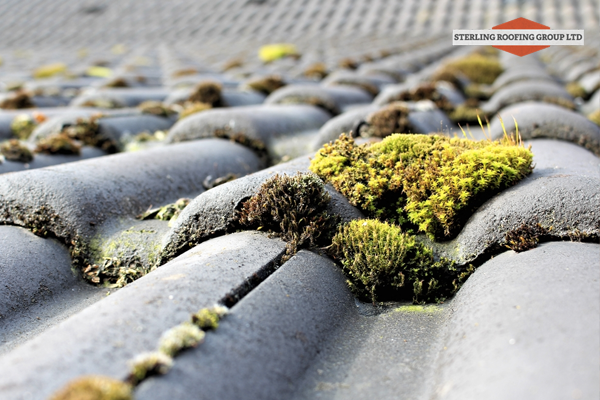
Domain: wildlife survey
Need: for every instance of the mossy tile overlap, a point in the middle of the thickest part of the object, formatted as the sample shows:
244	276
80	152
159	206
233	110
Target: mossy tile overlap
517	92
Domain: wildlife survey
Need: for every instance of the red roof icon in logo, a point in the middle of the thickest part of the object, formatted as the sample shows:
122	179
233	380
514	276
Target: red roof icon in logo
521	23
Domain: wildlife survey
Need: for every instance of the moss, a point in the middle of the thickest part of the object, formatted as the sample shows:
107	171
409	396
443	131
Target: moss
115	271
576	90
426	183
426	91
348	63
208	318
292	207
525	237
193	107
99	71
233	63
272	52
87	131
267	84
328	105
49	70
22	126
58	143
560	101
13	150
383	263
465	113
102	103
184	72
179	338
477	91
595	117
317	71
156	108
146	365
449	74
94	387
170	212
391	119
258	146
17	100
208	92
210	183
419	309
479	68
117	83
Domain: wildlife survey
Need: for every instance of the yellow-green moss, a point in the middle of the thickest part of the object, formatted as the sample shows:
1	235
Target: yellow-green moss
419	309
58	143
595	117
384	263
13	150
22	126
94	387
428	183
465	113
272	52
190	108
479	68
293	207
576	90
148	364
180	337
208	318
49	70
170	212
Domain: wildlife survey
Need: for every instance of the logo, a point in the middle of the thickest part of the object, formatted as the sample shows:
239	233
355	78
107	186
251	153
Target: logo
519	37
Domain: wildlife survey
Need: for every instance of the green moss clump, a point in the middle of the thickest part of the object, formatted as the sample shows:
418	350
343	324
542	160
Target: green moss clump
384	263
208	92
180	337
87	131
22	126
193	107
292	207
595	117
466	113
576	90
391	119
58	143
208	318
429	183
94	387
13	150
267	84
17	100
146	365
170	212
479	68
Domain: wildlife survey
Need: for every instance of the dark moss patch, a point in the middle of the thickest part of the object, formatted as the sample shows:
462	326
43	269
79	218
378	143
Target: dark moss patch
156	108
13	150
383	263
94	387
258	146
267	84
525	237
348	63
426	91
59	143
116	272
210	183
233	63
293	208
427	183
208	92
17	100
117	83
317	71
87	131
391	119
